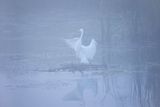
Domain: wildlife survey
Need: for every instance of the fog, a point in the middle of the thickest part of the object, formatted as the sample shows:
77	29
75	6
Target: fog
37	68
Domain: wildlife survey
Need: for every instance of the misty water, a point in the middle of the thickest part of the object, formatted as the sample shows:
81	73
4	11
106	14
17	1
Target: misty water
38	69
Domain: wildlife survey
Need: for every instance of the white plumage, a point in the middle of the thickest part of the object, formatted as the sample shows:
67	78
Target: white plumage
84	53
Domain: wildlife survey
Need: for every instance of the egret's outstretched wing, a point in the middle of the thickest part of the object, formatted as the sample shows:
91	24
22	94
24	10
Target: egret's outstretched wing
90	50
71	42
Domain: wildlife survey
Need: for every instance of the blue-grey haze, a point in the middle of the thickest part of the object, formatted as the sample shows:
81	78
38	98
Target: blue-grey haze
32	46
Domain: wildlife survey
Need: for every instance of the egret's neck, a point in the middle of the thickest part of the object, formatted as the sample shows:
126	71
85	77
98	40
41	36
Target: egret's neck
82	32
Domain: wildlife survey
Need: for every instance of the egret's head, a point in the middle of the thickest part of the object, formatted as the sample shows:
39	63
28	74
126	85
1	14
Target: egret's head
81	29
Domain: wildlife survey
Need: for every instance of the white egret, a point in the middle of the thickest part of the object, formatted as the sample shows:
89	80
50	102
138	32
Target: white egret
84	53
